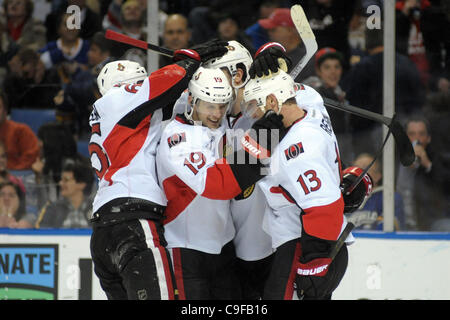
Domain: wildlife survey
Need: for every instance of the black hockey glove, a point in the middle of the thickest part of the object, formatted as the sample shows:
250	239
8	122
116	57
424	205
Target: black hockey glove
317	275
257	146
269	58
203	52
264	135
354	200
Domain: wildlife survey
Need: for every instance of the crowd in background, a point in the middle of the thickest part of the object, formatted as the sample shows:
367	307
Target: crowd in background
46	64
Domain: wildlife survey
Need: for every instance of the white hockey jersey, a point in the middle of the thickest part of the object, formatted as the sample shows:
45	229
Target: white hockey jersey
125	136
305	175
198	192
247	210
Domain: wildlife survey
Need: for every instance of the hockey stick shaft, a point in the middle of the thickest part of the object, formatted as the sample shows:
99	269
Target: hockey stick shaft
404	146
306	34
119	37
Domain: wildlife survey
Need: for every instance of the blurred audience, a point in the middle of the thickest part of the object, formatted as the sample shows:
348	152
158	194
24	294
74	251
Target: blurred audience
328	63
421	184
330	20
22	28
281	28
364	88
13	213
20	141
370	215
176	35
74	103
29	84
228	29
73	209
257	34
68	51
57	147
5	174
90	21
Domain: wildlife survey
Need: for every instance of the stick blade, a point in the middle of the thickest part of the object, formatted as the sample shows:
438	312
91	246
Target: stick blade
404	146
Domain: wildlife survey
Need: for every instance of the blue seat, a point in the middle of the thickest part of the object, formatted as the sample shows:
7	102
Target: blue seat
34	118
83	148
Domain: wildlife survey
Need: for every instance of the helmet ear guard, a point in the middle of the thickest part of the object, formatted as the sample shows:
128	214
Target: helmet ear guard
118	72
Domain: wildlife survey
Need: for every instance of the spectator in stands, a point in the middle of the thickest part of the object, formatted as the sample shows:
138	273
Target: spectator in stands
421	184
8	48
13	207
422	33
281	28
328	63
73	209
202	16
255	32
22	28
28	84
5	175
228	28
90	21
329	20
74	103
176	35
438	112
132	23
21	143
364	88
370	216
57	147
68	50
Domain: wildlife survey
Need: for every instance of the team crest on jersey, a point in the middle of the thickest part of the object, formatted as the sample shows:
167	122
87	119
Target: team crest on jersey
176	138
294	150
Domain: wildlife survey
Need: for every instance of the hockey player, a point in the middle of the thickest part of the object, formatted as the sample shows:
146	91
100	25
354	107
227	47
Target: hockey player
198	184
127	243
252	244
303	191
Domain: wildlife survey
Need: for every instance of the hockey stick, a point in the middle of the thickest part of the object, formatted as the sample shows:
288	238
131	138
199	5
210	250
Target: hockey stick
404	146
309	40
119	37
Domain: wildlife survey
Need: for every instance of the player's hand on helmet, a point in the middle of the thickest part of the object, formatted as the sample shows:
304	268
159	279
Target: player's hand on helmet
354	200
268	59
202	52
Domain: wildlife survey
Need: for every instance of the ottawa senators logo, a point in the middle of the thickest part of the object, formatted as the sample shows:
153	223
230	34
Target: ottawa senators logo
176	138
294	150
120	67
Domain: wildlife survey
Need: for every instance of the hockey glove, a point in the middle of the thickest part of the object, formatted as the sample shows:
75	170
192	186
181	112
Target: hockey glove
354	200
268	59
257	146
203	52
317	275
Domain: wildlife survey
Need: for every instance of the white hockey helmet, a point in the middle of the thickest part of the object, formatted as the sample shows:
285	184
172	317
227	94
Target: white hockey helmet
118	72
256	90
209	85
237	54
